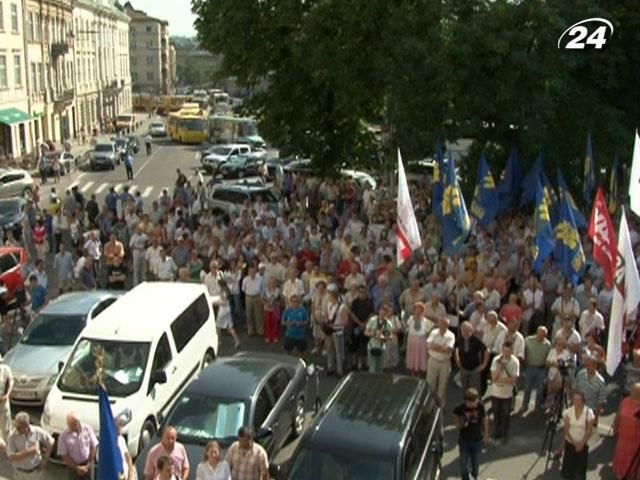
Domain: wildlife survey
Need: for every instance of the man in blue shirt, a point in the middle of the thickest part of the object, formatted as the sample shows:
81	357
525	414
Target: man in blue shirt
111	200
295	319
38	294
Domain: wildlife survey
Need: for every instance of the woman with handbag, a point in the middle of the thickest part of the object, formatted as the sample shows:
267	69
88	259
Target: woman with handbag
578	426
378	330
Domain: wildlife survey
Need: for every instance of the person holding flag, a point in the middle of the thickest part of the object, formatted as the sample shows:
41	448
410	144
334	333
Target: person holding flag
455	219
408	238
484	206
601	232
569	255
544	240
589	182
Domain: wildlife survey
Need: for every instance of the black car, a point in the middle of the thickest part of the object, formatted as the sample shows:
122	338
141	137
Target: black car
240	167
122	147
11	216
264	391
373	427
134	143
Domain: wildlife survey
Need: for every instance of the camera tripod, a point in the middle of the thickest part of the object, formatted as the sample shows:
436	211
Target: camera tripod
559	404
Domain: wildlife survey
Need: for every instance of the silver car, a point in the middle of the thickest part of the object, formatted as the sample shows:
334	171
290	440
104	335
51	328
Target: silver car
104	155
15	183
48	340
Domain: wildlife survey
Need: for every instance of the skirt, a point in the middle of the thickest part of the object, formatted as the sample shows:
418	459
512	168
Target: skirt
574	464
223	317
416	358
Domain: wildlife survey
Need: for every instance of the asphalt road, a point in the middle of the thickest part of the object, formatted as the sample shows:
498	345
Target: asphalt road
517	460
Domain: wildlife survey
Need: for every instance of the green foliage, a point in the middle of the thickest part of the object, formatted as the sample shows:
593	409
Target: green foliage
485	70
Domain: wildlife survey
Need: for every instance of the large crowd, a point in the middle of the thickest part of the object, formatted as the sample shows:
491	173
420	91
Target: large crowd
319	275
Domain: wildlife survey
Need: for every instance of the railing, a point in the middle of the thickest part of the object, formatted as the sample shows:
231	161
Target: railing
59	49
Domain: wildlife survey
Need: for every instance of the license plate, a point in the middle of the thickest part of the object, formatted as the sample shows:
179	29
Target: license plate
18	395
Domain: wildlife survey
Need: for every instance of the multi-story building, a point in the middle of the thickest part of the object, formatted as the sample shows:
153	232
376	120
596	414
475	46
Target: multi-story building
152	55
103	78
18	129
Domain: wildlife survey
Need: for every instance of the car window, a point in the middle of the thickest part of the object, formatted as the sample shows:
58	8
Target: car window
278	383
187	325
416	446
101	307
411	459
12	177
163	354
7	262
263	408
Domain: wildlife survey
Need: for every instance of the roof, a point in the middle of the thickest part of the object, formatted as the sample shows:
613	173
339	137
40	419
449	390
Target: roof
368	414
154	304
238	376
141	15
9	116
76	303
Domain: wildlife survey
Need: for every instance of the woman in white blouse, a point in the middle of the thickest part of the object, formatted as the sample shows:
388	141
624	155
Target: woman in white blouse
211	467
559	354
578	426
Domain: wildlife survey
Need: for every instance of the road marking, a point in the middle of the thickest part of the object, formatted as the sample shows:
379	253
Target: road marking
147	192
136	173
101	188
86	187
133	188
76	181
118	187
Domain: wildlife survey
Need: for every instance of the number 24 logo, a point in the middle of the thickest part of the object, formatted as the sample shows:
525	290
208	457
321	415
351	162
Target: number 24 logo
578	36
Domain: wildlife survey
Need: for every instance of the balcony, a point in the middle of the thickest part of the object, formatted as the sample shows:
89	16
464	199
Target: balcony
112	88
58	49
62	99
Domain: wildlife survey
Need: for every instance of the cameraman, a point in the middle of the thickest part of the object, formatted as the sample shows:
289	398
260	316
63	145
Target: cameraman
378	330
505	370
471	419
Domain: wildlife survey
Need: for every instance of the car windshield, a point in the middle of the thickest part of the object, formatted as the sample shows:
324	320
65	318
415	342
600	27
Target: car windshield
195	124
123	367
338	465
199	418
10	207
157	125
123	118
54	330
221	150
267	196
104	147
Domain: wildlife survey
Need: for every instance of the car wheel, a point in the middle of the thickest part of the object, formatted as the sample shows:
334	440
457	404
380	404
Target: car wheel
146	434
298	419
208	359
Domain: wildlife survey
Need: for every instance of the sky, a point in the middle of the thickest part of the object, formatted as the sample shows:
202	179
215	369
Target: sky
176	12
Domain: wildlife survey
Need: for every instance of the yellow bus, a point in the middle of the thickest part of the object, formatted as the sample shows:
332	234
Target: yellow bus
191	128
172	124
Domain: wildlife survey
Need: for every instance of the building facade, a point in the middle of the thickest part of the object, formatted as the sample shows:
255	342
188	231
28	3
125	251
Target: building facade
152	55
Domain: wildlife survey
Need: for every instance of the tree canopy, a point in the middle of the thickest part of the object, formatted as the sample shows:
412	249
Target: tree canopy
485	70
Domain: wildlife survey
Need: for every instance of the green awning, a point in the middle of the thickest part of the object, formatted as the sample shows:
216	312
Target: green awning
9	116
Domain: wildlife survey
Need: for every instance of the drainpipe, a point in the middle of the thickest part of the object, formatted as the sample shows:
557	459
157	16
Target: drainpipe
27	82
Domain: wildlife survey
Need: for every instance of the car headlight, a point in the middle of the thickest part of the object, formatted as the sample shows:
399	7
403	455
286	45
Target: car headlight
45	420
125	417
52	380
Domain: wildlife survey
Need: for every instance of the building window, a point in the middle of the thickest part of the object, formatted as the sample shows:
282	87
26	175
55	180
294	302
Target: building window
148	28
149	60
34	78
3	71
1	16
150	76
134	77
38	25
31	27
14	18
41	76
17	70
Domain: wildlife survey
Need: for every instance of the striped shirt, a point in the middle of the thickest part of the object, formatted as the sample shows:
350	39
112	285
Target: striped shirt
593	387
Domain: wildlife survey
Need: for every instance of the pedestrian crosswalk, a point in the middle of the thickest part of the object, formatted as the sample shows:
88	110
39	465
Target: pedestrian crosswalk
90	187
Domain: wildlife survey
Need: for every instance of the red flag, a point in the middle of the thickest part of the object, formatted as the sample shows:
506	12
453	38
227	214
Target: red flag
407	232
605	250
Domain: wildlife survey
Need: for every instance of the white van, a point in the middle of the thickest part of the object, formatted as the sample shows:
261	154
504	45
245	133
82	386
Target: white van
154	339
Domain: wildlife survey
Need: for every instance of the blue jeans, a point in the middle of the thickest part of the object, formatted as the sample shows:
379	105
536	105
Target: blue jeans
469	458
534	378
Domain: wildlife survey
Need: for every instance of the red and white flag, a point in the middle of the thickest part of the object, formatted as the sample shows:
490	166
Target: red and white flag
407	234
634	178
626	296
605	249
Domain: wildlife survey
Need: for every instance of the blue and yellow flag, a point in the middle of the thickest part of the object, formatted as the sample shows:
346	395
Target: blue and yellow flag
544	241
509	185
529	183
589	182
455	218
110	459
484	206
437	186
569	255
563	189
613	186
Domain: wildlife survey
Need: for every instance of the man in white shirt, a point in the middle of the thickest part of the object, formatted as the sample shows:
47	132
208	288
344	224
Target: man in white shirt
434	310
152	257
440	345
28	449
138	245
252	287
167	268
591	320
513	336
293	286
505	370
564	307
491	295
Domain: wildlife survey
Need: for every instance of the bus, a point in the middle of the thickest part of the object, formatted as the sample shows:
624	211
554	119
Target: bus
229	129
190	129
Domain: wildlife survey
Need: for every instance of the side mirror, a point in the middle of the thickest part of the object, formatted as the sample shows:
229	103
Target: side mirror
60	366
263	433
159	376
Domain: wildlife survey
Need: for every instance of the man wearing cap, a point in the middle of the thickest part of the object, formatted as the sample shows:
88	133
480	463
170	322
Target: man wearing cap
253	287
28	449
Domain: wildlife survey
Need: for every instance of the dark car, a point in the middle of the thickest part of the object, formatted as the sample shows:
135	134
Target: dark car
122	146
373	427
134	143
11	216
262	390
240	167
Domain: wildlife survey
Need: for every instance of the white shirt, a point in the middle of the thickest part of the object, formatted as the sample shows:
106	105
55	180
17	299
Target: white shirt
569	307
206	472
517	340
252	286
553	356
508	369
211	282
447	339
491	334
93	248
492	300
590	322
533	301
434	313
573	338
167	269
295	287
578	425
152	256
122	445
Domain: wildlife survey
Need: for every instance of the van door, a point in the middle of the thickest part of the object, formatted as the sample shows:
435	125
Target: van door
160	393
262	418
285	405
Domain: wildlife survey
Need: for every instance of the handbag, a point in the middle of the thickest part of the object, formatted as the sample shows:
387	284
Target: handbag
375	351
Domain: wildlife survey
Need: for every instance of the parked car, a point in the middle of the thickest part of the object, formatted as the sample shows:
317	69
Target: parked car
48	340
266	391
13	260
218	155
374	427
11	216
157	129
122	147
105	155
134	143
225	198
362	178
15	183
153	340
241	166
303	165
67	162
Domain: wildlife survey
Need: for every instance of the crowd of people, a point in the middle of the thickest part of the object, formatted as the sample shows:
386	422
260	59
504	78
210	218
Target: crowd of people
320	266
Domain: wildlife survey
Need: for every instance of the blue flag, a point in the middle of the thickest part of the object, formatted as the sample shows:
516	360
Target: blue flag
544	241
529	183
551	197
589	183
484	206
509	185
563	189
109	458
455	219
438	182
569	255
613	186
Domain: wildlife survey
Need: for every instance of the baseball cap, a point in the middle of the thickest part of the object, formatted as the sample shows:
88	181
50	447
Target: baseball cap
332	288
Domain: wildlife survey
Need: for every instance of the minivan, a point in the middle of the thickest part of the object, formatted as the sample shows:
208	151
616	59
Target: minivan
372	427
151	341
226	198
